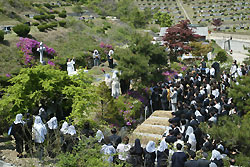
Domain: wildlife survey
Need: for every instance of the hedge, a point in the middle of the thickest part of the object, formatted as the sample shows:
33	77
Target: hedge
21	30
62	23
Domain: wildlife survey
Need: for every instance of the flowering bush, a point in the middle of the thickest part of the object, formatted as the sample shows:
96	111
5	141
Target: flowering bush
29	49
104	50
129	108
176	68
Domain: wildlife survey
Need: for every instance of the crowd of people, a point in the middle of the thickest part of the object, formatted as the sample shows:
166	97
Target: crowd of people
199	96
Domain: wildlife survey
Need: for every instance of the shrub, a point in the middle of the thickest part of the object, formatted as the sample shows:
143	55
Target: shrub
51	16
52	25
1	35
42	28
63	14
35	24
62	23
221	56
21	30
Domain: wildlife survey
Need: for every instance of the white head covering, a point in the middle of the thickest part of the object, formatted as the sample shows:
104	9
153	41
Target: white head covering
163	146
197	113
108	150
39	130
71	130
99	136
189	131
150	147
65	127
19	119
52	123
111	52
41	110
96	51
216	155
114	74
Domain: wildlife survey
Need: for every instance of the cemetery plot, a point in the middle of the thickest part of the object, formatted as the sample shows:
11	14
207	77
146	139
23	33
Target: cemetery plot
232	13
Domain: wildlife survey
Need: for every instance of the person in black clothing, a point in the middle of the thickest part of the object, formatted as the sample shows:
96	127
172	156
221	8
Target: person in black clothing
162	154
136	153
87	131
179	158
18	133
171	138
149	154
191	162
115	139
28	133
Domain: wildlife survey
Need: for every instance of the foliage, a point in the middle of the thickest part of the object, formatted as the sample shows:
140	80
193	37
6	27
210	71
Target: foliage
63	14
175	69
86	153
143	62
1	35
178	37
44	17
124	110
77	8
234	132
199	49
50	87
163	19
240	94
21	30
247	59
62	23
83	97
29	49
35	24
221	56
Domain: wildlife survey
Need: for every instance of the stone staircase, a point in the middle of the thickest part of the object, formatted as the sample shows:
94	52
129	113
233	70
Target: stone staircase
152	128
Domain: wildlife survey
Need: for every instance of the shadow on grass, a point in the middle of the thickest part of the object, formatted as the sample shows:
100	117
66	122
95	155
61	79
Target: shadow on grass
6	43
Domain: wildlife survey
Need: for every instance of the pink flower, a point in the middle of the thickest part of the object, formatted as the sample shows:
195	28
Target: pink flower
128	123
8	75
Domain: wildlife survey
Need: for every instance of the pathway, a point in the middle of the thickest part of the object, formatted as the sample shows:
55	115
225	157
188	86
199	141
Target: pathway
185	12
152	128
237	44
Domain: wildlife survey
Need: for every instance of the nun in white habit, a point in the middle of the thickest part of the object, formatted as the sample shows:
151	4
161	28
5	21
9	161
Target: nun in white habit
18	132
70	139
99	136
115	85
192	141
52	136
149	154
65	127
39	132
109	152
162	154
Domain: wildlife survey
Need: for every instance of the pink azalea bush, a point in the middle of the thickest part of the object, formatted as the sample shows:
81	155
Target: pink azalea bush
29	49
176	68
129	109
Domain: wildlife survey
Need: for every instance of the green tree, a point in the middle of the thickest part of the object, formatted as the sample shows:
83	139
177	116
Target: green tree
234	131
199	49
221	56
50	87
163	19
1	35
143	62
240	93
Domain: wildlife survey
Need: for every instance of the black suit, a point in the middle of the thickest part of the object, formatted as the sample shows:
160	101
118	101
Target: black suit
178	159
203	163
191	163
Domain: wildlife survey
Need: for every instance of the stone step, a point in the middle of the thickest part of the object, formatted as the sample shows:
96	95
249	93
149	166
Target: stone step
149	129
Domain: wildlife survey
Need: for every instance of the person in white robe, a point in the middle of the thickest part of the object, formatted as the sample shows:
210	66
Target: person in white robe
52	123
65	127
192	141
39	132
99	136
71	130
212	72
109	152
233	70
108	80
123	149
115	85
70	67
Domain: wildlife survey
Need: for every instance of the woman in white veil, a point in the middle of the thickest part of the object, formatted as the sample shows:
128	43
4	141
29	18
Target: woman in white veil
39	132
